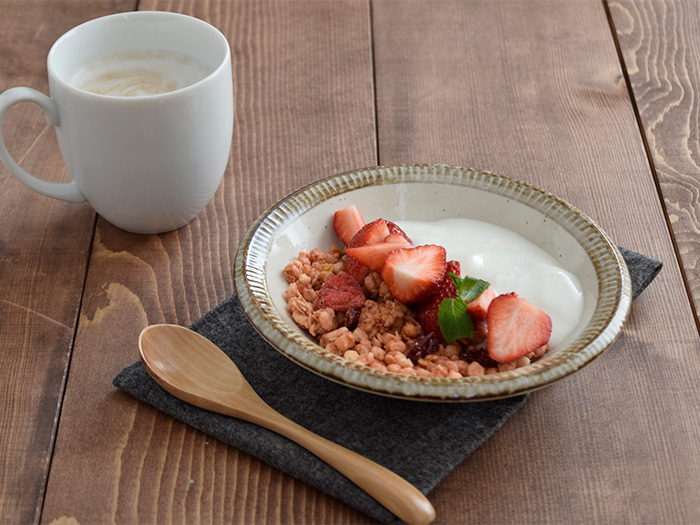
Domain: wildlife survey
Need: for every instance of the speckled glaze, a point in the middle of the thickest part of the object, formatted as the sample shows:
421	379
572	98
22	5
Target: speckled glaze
303	220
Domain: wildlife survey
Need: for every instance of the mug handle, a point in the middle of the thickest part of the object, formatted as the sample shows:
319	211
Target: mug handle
66	191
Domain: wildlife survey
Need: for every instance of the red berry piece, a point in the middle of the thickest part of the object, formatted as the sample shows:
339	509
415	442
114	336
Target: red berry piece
341	292
480	306
347	222
480	355
371	233
395	229
352	319
426	345
428	317
413	274
373	255
428	312
516	327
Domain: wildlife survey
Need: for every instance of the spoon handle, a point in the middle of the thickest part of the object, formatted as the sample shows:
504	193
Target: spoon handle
192	368
388	488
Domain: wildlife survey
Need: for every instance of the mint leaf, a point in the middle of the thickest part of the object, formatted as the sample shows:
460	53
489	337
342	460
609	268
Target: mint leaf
469	288
454	320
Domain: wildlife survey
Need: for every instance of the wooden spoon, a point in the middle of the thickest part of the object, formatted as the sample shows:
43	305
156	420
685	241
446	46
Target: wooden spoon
191	367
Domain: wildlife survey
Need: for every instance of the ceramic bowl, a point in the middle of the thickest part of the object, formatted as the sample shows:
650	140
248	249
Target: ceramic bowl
303	220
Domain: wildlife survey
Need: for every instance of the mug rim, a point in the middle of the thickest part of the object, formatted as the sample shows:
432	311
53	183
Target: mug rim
223	63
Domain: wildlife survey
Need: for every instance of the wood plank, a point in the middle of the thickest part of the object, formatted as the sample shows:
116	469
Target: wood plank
44	251
535	90
296	120
660	44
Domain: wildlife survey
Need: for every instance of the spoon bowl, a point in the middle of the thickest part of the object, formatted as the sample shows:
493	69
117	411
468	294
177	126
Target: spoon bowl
194	369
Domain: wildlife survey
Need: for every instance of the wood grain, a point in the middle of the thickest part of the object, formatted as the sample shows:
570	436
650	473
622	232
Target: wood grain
660	43
535	90
44	251
530	89
304	109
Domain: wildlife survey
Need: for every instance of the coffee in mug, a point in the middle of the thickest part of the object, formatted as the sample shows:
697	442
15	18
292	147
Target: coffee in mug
139	73
142	105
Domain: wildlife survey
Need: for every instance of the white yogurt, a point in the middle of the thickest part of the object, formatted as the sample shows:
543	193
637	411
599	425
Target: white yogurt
510	263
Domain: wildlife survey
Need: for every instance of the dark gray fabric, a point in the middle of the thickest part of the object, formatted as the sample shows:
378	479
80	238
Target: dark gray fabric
422	442
642	269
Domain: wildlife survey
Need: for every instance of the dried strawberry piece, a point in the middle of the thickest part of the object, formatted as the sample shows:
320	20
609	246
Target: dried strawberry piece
341	292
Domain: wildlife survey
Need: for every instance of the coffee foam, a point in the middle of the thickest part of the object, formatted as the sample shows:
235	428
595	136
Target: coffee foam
139	73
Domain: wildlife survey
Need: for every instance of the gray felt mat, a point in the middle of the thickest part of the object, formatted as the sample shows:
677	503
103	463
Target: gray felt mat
422	442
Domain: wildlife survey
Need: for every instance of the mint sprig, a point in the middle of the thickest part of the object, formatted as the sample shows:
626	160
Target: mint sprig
469	288
453	318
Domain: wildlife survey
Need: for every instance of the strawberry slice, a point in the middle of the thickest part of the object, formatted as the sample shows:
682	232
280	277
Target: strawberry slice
396	229
355	269
398	238
372	255
413	274
347	222
371	233
516	327
479	306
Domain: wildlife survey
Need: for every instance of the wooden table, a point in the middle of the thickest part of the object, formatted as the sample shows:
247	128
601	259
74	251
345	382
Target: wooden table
596	101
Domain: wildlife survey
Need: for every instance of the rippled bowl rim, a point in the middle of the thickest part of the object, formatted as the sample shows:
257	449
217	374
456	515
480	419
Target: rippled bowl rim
612	309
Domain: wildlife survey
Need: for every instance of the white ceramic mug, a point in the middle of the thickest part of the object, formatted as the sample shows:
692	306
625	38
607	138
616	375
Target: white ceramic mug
147	164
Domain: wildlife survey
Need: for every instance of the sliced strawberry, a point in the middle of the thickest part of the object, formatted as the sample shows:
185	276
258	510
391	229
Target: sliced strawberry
397	238
516	327
372	255
355	269
413	274
479	306
341	292
371	233
394	228
347	222
428	312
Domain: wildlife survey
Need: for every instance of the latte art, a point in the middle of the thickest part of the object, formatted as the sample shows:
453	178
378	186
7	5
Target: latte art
139	73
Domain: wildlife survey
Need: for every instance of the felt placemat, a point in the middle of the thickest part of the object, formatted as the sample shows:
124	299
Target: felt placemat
421	442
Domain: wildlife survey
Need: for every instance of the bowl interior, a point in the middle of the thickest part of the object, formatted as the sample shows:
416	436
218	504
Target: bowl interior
303	221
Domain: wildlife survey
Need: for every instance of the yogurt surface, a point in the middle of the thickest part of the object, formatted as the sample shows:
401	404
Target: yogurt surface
510	263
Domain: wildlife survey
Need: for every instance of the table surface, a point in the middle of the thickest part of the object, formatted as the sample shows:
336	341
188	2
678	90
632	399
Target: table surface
597	101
